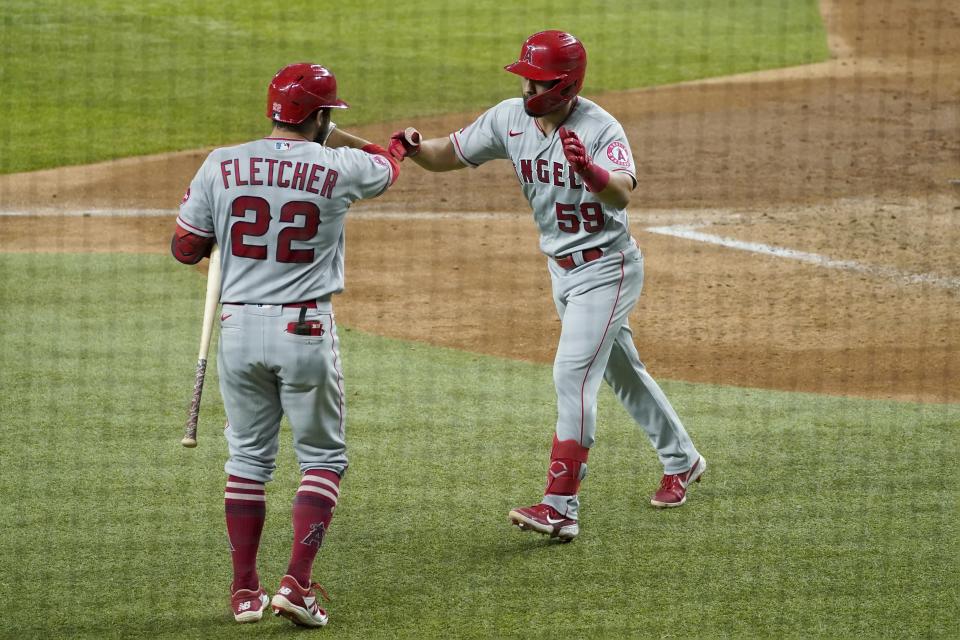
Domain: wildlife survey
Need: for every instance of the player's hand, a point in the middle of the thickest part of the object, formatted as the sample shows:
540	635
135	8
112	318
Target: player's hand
405	144
595	178
574	151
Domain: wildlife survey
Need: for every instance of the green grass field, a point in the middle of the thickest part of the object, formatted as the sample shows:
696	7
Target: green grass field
100	79
819	517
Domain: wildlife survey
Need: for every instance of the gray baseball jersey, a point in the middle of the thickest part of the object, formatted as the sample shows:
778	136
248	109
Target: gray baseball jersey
277	208
595	297
569	217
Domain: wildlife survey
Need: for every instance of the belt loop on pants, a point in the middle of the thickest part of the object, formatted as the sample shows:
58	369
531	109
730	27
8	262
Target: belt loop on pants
578	258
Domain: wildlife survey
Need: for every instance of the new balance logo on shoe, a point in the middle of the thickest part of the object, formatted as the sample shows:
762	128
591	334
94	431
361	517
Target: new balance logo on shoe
299	604
248	605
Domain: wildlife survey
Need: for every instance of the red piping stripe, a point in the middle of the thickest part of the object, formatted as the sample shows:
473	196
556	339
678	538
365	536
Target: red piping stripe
462	155
333	347
609	320
189	227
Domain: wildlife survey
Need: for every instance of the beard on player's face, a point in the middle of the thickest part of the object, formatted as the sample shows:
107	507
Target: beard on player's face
324	126
533	88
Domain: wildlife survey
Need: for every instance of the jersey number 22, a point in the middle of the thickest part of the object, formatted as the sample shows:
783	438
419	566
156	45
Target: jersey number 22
258	227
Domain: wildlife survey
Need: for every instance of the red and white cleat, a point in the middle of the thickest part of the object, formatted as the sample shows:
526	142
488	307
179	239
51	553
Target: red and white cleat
544	519
673	488
248	604
299	605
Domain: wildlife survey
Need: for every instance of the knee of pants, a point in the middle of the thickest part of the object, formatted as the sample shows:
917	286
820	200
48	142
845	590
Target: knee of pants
568	376
250	467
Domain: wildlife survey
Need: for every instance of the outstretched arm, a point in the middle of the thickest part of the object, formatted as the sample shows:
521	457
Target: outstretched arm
340	138
436	154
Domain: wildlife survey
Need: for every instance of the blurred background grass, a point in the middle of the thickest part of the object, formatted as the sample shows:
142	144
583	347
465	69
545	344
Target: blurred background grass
100	79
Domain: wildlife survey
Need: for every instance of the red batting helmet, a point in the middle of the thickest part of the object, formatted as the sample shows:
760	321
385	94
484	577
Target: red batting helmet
300	89
551	55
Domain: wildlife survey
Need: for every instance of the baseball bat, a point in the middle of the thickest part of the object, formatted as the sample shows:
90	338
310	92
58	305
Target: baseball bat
209	313
413	136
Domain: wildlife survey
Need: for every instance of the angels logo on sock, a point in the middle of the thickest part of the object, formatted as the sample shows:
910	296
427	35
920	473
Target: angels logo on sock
315	537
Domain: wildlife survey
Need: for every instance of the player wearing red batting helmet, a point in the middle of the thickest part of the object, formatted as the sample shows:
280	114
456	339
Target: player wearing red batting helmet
298	90
553	57
574	165
277	207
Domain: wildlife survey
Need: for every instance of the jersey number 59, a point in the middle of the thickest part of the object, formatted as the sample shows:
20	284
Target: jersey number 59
590	212
258	227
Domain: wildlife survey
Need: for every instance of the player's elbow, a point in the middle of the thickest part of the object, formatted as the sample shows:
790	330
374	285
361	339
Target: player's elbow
189	248
617	198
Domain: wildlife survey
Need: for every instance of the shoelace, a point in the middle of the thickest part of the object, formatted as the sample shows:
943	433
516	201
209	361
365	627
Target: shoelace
670	482
323	592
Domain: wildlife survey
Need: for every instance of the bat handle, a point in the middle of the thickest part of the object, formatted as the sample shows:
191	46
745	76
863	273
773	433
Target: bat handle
412	136
190	431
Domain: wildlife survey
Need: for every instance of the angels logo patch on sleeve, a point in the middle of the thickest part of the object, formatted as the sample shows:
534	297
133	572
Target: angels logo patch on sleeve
617	153
186	196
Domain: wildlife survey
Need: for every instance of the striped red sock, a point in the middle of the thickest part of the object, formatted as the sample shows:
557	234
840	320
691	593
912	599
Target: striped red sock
312	511
245	505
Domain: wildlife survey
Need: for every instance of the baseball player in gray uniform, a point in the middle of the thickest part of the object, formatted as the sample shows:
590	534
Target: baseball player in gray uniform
574	165
276	208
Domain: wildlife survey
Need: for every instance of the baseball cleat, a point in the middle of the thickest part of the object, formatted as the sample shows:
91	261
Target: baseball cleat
299	605
248	604
673	487
544	519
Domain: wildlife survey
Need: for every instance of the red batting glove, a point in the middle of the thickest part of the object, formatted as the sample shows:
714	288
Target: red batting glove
595	178
404	144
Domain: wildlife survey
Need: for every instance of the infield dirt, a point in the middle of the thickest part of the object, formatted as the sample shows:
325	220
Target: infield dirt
850	159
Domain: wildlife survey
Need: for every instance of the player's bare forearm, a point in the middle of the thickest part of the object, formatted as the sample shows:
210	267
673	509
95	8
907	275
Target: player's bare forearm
617	192
437	154
340	138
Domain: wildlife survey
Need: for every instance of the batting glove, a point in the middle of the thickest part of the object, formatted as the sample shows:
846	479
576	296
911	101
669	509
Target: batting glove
595	178
405	144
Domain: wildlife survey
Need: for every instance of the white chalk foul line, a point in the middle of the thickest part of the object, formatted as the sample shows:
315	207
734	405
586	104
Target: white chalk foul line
361	215
89	213
690	232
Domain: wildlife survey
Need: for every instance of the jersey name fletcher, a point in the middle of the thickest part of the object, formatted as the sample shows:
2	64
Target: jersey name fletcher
270	172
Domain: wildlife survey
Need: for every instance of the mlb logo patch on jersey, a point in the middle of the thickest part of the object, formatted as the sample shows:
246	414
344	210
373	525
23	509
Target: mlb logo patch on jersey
617	152
281	145
186	196
380	160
